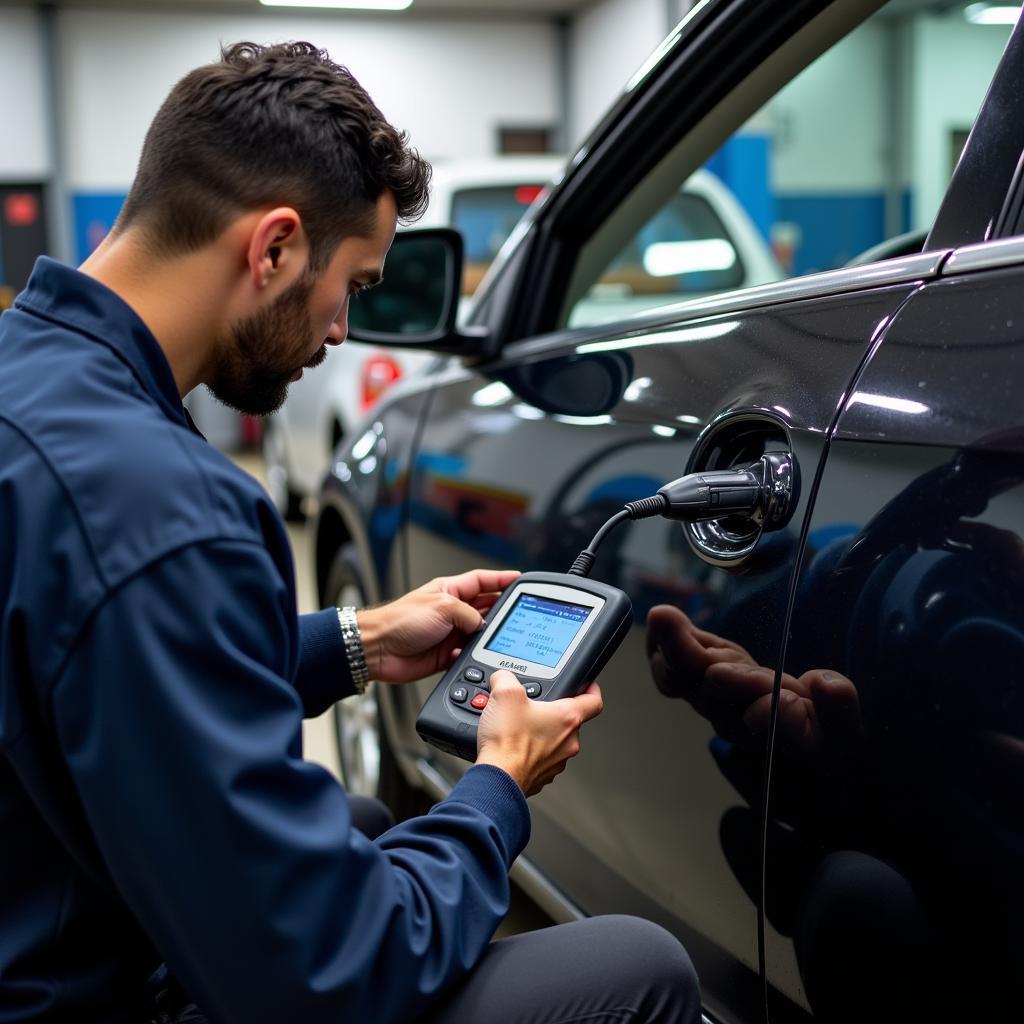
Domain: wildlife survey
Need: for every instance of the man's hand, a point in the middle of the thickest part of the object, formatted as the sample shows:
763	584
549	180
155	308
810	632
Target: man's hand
532	739
819	711
422	632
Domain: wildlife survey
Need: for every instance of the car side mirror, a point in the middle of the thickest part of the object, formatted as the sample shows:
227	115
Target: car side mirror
416	303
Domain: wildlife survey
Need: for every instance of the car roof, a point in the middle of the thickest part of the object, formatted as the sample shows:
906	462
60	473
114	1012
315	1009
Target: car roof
504	170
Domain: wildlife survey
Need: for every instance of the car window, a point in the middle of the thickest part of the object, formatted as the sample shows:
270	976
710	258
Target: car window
851	157
685	248
486	217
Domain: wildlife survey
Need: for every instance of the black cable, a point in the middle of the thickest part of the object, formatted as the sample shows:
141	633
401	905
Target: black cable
642	509
739	490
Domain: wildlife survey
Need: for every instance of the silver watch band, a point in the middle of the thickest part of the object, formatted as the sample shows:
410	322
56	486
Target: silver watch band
354	652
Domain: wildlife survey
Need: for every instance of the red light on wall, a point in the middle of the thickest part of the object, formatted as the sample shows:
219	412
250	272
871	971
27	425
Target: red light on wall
21	209
379	373
525	194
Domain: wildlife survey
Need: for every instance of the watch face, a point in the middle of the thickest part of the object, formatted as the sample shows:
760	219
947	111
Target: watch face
539	629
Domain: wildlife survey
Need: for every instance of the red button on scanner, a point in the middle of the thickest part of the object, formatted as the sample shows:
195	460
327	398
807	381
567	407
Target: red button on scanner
479	701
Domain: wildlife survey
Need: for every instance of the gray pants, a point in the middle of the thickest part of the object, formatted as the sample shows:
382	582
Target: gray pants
602	970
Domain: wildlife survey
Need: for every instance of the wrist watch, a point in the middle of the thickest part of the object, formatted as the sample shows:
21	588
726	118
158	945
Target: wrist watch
354	652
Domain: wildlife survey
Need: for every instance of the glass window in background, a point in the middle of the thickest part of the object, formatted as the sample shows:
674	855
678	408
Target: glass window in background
486	217
857	150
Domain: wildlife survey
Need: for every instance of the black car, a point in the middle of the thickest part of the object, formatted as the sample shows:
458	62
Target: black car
811	762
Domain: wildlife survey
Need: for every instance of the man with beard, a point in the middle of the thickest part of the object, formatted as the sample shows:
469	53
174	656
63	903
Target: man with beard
162	833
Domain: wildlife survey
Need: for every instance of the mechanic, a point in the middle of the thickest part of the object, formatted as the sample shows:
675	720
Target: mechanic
161	830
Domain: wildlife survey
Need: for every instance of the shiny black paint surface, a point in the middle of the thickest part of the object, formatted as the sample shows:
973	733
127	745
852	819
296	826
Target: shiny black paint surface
895	854
519	464
951	373
896	845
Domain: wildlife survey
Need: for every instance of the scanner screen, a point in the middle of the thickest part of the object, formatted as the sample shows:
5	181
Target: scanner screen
539	629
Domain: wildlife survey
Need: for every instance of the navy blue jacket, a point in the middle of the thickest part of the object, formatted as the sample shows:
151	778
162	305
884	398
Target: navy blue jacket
154	803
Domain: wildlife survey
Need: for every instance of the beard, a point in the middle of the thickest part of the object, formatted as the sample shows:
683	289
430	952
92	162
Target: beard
265	351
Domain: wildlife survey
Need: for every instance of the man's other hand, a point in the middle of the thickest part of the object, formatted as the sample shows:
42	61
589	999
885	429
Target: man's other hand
532	739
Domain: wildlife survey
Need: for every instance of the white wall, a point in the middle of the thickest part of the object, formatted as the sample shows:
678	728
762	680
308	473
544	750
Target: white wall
609	41
449	82
452	81
831	122
24	128
952	65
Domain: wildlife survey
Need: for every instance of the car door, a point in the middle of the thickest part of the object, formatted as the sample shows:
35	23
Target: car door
524	454
895	846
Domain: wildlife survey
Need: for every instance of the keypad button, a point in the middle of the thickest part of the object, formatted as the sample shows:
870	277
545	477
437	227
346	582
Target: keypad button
532	689
459	694
479	701
473	674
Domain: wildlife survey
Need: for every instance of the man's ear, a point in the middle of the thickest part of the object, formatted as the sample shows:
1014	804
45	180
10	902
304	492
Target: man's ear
278	250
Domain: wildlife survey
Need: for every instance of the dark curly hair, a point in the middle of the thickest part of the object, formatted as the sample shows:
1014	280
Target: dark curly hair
270	125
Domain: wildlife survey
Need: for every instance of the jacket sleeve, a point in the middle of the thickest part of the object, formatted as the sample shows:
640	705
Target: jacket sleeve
323	675
238	858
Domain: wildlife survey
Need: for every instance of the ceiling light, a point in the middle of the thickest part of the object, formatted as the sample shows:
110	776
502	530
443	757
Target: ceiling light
667	259
992	14
348	5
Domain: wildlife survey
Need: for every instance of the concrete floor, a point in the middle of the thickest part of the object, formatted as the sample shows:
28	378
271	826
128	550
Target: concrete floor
318	733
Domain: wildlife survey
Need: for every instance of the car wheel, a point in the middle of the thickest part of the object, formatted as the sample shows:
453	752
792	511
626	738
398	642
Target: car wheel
368	766
287	501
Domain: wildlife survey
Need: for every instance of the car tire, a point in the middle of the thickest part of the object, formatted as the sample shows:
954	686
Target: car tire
275	460
368	765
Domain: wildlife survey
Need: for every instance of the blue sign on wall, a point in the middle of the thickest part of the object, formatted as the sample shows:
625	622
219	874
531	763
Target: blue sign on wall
93	215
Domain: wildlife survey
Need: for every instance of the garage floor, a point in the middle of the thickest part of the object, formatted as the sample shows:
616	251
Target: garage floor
318	735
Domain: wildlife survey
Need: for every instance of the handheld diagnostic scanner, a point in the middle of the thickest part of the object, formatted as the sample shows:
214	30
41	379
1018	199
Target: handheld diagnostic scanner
556	631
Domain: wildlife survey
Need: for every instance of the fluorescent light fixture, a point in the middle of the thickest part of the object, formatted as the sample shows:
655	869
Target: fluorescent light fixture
888	402
347	5
364	445
527	412
583	421
992	14
492	394
666	259
636	389
705	332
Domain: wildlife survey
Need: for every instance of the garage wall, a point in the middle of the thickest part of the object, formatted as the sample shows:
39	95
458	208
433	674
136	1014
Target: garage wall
453	81
609	41
446	81
951	65
24	140
860	146
833	162
810	154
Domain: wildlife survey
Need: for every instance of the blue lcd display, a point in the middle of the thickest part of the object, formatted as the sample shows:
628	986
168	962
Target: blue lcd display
539	629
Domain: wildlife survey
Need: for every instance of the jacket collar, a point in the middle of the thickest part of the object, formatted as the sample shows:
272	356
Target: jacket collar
68	297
